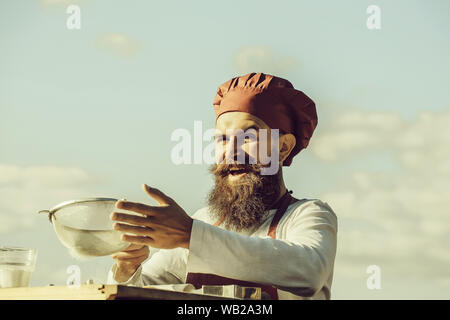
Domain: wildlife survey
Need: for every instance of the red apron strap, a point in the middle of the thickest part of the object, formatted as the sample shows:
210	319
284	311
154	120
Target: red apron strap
284	203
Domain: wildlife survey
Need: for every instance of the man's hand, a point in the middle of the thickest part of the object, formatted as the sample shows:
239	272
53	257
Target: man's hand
129	260
166	227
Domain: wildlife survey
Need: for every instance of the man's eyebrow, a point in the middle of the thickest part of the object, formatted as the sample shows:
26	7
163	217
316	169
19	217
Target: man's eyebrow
221	134
251	127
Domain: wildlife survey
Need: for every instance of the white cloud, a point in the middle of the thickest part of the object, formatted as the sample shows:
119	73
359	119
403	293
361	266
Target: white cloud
412	142
399	220
27	189
261	59
118	43
355	132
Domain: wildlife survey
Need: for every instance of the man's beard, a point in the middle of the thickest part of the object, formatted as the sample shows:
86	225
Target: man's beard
243	203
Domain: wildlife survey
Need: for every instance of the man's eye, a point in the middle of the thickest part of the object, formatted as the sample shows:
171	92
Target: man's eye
220	139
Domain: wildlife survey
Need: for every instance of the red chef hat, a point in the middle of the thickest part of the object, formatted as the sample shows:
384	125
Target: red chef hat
275	101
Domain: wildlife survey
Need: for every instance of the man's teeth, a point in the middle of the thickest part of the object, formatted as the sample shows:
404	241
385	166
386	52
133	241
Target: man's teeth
237	171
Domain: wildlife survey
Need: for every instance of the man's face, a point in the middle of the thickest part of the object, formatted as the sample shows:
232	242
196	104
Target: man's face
240	140
241	194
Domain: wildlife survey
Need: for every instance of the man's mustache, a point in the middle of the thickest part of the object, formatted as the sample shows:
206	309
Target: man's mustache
224	169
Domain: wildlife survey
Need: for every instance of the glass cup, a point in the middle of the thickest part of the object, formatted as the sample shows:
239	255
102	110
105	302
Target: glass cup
16	266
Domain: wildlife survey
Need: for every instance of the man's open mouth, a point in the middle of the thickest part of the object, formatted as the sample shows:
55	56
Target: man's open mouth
236	171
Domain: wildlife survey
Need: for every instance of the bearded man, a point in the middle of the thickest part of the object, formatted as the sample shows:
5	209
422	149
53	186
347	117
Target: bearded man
253	232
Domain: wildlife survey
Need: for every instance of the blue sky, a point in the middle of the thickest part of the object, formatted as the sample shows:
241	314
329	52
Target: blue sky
104	100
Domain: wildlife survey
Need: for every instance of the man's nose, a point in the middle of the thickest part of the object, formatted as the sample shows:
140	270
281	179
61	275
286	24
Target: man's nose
234	152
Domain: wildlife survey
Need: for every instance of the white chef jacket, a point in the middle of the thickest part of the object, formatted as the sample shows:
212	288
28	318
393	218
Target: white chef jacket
299	262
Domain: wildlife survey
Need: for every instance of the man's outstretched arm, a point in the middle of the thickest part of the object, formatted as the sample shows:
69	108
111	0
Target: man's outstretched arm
300	262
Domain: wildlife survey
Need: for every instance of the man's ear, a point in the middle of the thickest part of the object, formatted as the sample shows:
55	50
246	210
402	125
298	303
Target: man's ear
287	143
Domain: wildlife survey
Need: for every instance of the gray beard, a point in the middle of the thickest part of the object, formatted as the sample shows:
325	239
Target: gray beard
242	205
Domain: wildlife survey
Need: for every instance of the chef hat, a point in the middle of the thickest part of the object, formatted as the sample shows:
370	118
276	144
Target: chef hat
275	101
